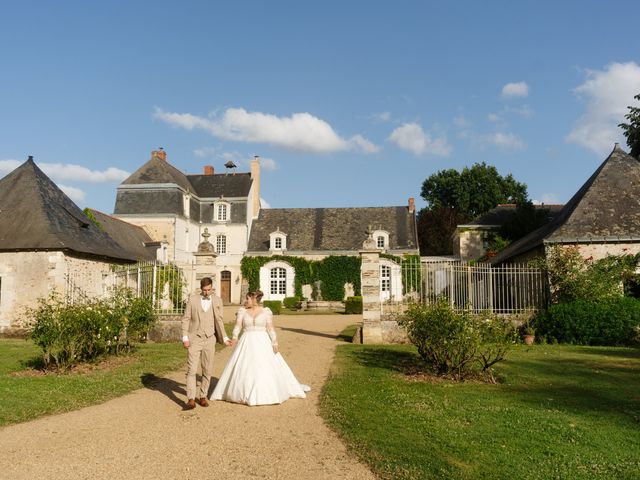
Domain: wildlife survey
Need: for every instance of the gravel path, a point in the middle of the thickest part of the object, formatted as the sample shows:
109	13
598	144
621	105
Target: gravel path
145	435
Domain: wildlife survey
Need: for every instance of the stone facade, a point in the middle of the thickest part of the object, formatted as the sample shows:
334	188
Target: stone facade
28	276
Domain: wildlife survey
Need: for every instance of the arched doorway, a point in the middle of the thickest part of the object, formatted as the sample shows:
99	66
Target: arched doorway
225	287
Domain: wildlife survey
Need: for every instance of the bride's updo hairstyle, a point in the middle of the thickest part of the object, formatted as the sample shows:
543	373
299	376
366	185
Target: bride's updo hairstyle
258	295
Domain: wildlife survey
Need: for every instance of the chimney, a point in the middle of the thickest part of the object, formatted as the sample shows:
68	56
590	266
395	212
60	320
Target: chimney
160	153
255	176
208	169
412	205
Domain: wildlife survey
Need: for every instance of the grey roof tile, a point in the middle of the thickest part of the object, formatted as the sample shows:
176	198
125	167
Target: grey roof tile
36	215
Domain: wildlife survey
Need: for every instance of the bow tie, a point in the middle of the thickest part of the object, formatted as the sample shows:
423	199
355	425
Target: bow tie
206	298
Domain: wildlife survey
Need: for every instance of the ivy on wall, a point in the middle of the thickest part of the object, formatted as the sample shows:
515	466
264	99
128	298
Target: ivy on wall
333	271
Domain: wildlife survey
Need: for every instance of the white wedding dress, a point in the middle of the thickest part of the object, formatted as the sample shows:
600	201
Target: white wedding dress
254	375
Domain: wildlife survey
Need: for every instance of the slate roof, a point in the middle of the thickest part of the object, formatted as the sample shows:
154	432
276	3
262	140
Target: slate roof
498	216
157	171
36	215
221	184
605	209
333	229
131	238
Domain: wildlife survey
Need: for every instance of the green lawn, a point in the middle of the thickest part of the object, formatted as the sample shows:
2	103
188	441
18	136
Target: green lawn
559	412
25	397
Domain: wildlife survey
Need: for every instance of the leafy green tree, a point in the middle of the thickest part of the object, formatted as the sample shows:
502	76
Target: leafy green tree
631	130
473	191
456	197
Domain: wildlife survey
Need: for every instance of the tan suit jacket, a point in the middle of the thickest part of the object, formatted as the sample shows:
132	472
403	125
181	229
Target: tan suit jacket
195	321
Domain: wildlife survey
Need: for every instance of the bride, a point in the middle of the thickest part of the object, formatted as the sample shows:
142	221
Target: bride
256	373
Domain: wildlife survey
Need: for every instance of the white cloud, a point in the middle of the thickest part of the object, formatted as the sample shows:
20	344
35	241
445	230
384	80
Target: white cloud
381	117
268	163
7	166
515	89
505	140
608	93
494	117
74	193
205	152
301	132
67	171
264	203
461	122
361	143
548	199
524	111
70	172
500	139
411	137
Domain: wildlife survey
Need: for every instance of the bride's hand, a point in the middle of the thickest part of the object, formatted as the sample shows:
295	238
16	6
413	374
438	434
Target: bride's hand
275	348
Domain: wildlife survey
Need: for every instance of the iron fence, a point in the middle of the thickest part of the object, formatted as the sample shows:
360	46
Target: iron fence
473	287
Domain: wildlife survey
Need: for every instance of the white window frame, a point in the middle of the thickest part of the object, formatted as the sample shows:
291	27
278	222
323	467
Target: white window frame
221	244
277	281
273	241
377	234
220	207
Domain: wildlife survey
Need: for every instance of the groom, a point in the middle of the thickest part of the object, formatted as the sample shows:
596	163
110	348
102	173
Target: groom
201	327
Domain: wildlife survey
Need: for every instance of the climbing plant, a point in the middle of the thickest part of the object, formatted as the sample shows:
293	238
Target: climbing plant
333	272
410	271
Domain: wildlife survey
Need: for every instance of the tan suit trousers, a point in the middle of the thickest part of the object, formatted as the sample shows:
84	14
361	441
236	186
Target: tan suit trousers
200	353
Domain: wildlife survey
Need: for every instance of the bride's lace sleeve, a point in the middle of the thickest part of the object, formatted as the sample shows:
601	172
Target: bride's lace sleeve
271	330
238	325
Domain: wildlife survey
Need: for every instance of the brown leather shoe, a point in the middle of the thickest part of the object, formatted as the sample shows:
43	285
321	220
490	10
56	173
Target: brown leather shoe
190	405
203	402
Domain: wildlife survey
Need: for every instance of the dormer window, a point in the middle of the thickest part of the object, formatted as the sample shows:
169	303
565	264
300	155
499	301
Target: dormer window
381	238
221	211
277	241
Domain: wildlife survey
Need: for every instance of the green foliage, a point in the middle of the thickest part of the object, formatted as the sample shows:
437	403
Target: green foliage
274	305
87	211
70	334
333	271
353	305
496	245
455	198
574	278
291	303
631	130
458	344
614	321
473	191
524	220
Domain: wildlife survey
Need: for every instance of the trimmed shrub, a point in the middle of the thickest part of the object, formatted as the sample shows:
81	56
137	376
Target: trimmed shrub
614	321
291	303
274	305
353	305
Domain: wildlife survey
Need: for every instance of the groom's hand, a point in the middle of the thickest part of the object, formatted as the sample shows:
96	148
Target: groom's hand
185	343
228	343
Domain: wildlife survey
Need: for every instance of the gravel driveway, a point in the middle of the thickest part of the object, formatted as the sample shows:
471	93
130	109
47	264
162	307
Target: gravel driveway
145	434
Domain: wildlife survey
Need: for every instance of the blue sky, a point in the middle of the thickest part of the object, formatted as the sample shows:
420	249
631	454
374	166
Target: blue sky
348	103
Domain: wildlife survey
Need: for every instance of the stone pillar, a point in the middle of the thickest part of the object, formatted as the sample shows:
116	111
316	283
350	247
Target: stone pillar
370	277
205	259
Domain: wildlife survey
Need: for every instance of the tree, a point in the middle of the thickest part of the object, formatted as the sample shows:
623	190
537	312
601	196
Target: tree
631	130
525	219
473	191
456	197
435	230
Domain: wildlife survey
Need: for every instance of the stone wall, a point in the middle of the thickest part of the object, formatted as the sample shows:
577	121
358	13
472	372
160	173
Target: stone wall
27	276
